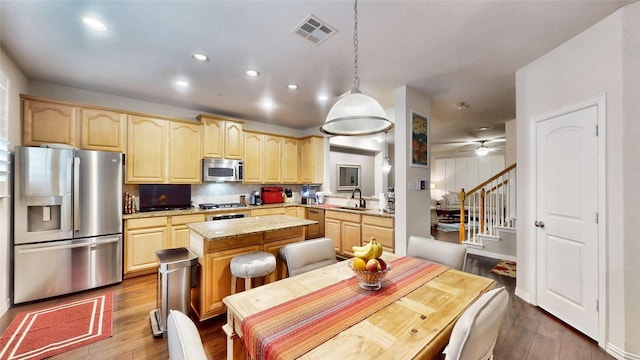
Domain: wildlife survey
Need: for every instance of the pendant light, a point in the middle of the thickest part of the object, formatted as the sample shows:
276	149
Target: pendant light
355	113
386	166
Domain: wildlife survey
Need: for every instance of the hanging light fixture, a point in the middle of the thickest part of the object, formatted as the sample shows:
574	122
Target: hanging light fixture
355	113
482	150
386	166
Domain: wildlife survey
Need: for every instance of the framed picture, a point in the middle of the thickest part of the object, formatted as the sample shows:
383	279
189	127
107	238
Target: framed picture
419	140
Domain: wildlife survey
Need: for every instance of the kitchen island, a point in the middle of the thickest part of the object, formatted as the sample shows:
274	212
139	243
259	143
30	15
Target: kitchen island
217	242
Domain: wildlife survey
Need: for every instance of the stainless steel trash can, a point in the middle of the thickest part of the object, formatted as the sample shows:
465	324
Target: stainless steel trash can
176	277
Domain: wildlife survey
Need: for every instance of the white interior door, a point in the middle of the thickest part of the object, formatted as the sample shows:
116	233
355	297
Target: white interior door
567	224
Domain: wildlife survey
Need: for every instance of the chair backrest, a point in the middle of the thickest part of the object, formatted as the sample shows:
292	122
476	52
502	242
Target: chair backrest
474	334
183	338
308	255
441	252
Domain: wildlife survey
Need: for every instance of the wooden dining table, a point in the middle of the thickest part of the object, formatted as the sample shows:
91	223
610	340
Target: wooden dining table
415	326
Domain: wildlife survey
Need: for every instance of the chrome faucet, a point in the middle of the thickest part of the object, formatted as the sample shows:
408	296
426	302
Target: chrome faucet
362	202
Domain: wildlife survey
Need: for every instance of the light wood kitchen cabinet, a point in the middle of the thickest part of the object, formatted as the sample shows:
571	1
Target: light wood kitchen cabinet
268	211
216	281
381	228
296	211
185	147
289	161
143	237
163	151
215	257
316	230
179	235
253	164
272	157
312	160
146	157
48	122
344	229
103	130
222	138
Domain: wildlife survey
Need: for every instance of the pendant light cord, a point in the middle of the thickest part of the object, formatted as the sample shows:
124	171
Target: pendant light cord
356	79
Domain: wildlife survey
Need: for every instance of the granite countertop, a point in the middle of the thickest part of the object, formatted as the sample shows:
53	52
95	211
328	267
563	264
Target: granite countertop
195	210
212	230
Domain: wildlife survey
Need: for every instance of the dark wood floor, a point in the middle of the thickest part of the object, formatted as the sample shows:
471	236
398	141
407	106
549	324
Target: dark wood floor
527	333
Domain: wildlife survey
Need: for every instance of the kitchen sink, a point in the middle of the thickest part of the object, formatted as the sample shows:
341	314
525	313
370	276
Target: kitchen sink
352	208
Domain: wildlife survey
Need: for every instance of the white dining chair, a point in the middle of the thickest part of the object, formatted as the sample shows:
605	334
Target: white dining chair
304	256
474	334
183	338
441	252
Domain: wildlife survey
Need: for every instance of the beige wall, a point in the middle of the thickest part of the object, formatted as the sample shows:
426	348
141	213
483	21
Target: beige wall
17	85
603	60
510	144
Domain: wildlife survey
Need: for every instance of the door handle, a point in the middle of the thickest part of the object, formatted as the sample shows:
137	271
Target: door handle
539	224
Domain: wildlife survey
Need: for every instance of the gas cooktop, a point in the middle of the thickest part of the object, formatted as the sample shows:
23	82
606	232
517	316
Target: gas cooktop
207	206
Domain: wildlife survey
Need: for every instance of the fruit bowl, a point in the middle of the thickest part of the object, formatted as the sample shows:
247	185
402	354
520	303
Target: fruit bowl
370	280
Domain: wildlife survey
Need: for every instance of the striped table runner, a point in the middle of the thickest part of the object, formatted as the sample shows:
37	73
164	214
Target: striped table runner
291	329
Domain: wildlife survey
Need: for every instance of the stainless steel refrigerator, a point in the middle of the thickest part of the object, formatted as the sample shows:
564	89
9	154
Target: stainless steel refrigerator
67	221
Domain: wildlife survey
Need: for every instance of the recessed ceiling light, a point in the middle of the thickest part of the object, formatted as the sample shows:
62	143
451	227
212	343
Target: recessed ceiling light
94	24
182	83
252	73
483	128
200	57
323	98
292	86
268	105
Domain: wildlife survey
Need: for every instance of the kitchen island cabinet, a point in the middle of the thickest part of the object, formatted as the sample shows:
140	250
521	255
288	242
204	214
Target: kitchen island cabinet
217	242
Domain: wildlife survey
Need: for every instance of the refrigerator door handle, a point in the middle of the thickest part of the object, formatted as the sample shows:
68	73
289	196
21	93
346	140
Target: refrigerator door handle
67	191
69	246
76	194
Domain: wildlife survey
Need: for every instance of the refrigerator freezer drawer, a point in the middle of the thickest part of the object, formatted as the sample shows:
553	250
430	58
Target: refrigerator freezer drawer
61	267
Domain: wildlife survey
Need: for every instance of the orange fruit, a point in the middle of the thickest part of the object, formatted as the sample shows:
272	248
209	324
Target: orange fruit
359	264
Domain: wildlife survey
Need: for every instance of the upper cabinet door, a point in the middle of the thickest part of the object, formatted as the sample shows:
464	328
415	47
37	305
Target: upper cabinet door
103	130
213	134
234	147
185	147
221	138
146	150
290	161
253	160
312	160
48	122
272	159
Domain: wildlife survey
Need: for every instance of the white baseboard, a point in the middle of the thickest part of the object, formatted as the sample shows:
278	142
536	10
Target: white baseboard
4	307
471	250
620	354
523	295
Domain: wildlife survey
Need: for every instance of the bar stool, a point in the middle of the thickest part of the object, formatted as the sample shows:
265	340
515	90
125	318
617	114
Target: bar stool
249	266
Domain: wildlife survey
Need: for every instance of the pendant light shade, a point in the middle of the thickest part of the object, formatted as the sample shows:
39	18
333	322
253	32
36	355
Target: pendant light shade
356	114
386	166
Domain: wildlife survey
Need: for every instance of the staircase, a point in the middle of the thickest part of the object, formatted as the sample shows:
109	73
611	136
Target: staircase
490	213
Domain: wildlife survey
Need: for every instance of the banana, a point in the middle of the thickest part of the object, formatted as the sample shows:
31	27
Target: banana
365	253
370	251
359	248
377	248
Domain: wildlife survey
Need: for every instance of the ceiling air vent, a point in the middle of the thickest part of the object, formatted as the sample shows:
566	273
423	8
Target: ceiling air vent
314	30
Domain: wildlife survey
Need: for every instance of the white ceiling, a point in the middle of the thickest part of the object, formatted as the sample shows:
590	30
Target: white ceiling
451	51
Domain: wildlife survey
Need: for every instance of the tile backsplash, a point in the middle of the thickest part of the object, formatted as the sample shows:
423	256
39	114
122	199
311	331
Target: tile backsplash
219	193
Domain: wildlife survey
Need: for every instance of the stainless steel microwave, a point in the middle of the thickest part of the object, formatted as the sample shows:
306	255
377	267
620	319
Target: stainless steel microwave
222	170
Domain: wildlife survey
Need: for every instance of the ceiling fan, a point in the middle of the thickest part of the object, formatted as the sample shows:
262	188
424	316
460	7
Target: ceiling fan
483	149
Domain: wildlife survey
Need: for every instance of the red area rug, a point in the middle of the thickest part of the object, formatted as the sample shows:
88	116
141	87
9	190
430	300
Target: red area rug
46	332
505	268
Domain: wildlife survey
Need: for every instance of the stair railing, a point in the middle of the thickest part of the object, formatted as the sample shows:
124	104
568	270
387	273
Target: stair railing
488	205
